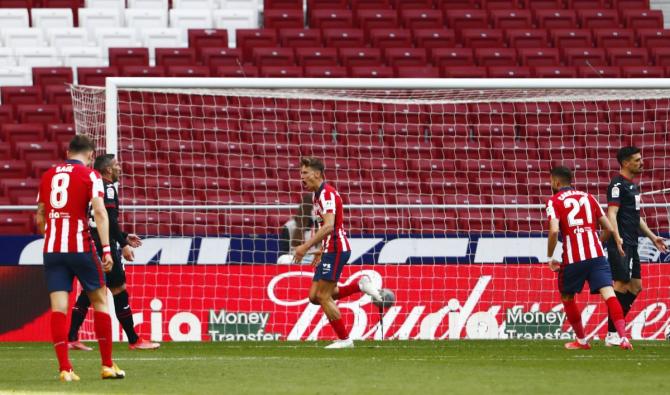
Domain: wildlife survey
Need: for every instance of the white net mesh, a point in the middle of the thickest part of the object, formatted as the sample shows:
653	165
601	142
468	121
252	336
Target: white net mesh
443	191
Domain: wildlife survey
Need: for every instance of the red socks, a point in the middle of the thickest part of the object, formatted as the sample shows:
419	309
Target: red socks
616	315
103	331
343	292
338	326
59	336
575	318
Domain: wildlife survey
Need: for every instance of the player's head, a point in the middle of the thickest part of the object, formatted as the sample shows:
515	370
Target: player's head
630	159
81	148
311	172
108	166
561	177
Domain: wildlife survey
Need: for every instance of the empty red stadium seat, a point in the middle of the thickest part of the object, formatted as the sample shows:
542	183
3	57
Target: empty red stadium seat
539	56
175	56
511	19
143	71
23	132
281	71
417	72
207	38
197	223
467	19
236	71
57	94
150	224
316	56
452	56
434	38
273	57
13	169
188	71
555	72
21	95
43	150
361	57
544	4
300	38
642	19
6	114
368	19
652	38
282	4
585	56
405	56
463	72
599	71
412	4
248	39
457	4
509	72
128	57
331	18
609	38
16	223
575	38
60	132
95	75
628	56
556	19
283	18
43	76
585	4
325	71
215	57
630	4
343	38
527	38
390	38
370	4
422	19
661	56
38	113
496	56
482	38
598	18
643	71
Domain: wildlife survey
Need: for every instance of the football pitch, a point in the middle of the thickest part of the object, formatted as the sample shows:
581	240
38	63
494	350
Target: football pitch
415	367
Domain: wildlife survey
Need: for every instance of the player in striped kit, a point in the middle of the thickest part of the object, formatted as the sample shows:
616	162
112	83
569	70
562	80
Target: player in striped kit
336	251
574	214
62	215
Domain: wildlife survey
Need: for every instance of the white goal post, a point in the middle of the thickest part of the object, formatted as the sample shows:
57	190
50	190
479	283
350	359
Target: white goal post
443	181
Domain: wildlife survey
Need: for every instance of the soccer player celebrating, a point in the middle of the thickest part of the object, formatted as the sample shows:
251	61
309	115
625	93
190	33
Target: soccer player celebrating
62	215
623	211
574	214
109	168
335	251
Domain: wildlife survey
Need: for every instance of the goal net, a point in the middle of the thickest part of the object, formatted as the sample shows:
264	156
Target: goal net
443	185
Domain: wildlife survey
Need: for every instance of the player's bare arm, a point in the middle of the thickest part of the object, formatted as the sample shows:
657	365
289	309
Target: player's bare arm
552	241
325	229
611	215
102	224
658	241
40	218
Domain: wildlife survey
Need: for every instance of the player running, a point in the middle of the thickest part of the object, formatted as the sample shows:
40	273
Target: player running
574	214
623	211
335	251
62	215
110	169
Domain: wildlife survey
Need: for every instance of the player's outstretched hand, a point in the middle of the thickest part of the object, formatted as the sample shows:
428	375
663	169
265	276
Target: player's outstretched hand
317	258
619	246
299	253
107	263
128	253
133	240
554	265
659	242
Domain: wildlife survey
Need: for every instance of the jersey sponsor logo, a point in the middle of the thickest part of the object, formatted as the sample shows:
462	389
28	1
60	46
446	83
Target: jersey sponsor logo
615	192
329	205
110	192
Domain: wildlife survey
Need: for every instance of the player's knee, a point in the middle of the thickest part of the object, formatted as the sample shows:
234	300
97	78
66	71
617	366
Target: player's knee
322	296
314	300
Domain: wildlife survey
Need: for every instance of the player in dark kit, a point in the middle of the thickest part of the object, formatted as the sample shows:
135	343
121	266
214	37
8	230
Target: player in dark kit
65	193
335	254
623	211
109	168
575	214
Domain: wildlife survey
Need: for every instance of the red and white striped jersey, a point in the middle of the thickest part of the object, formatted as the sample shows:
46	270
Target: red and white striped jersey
66	191
578	214
327	200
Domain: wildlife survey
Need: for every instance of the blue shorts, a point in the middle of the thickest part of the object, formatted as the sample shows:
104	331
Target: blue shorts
596	271
330	267
61	269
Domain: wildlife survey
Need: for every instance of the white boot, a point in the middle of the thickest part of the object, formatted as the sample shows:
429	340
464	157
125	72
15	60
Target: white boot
366	286
346	343
612	339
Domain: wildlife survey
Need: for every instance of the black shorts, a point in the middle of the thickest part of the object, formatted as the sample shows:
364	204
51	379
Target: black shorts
624	267
117	277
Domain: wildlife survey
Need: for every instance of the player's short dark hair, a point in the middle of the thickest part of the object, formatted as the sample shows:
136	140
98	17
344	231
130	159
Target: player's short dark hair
313	163
562	173
102	162
625	153
81	143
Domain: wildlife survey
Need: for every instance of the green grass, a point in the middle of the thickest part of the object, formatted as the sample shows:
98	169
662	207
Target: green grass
443	367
